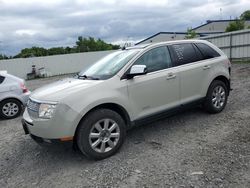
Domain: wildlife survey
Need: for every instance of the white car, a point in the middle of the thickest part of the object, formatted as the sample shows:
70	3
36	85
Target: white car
13	95
127	87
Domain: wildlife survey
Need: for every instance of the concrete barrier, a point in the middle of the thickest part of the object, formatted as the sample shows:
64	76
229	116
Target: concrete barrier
54	65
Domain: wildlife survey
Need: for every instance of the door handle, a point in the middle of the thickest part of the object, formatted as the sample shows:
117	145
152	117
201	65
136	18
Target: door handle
206	67
171	76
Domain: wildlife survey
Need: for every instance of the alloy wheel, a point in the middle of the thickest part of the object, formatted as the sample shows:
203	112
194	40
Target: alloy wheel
104	135
10	109
218	96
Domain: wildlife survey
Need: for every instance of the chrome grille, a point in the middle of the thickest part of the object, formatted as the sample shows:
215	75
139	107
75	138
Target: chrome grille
33	106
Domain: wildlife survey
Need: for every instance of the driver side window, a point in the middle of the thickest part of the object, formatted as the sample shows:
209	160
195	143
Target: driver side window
155	59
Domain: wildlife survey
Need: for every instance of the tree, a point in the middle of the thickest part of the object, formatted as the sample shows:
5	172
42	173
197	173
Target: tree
190	34
239	24
82	45
90	44
2	56
56	51
236	25
245	15
32	52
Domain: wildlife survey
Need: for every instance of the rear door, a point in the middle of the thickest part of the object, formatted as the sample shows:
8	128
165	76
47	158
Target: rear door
192	71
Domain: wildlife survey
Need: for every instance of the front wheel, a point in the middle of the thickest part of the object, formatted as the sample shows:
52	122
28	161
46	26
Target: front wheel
216	98
101	134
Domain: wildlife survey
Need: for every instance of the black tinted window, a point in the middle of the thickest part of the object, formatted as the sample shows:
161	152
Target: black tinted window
207	51
155	59
1	79
185	53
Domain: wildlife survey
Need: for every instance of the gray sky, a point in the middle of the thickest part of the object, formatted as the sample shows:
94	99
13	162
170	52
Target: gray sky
49	23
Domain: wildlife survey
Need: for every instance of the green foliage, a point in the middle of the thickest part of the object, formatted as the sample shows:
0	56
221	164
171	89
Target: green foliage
239	24
245	15
82	45
56	51
190	34
236	25
2	56
32	52
90	44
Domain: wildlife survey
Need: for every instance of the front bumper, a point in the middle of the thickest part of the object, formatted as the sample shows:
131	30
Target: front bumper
61	126
37	139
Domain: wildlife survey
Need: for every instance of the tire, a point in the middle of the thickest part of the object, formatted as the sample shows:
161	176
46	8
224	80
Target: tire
216	98
101	134
10	108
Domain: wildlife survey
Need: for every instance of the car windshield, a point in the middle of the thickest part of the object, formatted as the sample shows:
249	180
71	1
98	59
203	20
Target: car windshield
108	66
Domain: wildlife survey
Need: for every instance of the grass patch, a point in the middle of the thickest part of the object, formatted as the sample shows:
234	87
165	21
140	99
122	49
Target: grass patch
241	61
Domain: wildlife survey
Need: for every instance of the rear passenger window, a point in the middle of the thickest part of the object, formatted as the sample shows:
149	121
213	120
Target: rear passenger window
1	79
155	59
207	51
185	53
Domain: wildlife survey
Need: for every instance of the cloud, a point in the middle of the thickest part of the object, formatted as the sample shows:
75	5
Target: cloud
50	23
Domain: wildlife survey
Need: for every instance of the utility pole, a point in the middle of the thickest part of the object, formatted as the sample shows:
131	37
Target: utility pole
220	13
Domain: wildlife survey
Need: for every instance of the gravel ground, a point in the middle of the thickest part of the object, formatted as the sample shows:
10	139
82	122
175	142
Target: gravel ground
192	149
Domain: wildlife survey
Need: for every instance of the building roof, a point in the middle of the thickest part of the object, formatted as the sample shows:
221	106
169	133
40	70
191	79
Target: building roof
175	33
212	21
201	34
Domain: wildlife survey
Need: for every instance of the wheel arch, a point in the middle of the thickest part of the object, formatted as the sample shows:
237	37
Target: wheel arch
14	98
111	106
225	80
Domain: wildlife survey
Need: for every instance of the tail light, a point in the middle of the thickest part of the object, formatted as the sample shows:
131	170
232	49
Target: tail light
24	88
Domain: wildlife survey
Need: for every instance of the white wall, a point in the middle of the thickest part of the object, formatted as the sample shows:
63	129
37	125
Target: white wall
55	65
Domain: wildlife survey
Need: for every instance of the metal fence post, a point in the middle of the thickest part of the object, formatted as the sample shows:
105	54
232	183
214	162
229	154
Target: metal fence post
230	47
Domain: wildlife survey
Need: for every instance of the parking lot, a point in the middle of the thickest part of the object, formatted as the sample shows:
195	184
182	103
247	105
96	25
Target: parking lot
192	149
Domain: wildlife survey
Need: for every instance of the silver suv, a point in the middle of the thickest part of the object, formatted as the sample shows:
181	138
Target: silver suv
127	87
13	95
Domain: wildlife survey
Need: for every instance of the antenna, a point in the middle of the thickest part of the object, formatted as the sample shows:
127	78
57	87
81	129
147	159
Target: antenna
126	44
220	13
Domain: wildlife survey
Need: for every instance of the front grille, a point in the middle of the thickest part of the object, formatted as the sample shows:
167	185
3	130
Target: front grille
33	106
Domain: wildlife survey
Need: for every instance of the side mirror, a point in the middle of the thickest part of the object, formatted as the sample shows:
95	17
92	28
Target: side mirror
136	70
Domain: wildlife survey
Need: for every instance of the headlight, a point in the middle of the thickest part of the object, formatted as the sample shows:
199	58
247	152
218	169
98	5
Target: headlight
46	110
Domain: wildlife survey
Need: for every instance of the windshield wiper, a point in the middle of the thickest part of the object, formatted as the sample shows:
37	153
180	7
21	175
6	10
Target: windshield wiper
86	77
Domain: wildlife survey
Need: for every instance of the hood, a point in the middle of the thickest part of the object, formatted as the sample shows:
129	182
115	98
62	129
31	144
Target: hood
62	88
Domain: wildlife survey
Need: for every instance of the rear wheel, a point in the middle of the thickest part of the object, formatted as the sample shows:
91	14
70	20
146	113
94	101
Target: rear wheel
216	98
10	108
101	134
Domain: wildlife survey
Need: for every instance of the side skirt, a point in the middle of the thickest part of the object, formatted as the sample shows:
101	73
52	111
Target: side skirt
166	113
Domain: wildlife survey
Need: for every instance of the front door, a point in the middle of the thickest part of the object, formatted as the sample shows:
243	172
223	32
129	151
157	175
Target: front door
157	90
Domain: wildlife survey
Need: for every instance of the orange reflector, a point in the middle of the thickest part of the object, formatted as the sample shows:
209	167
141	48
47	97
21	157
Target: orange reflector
67	138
